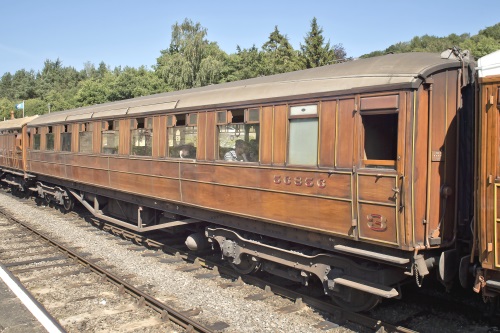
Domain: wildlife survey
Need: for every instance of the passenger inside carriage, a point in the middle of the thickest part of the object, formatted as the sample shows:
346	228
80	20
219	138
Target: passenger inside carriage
187	151
240	152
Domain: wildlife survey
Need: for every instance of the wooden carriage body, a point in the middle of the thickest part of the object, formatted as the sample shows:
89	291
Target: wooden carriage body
362	154
14	143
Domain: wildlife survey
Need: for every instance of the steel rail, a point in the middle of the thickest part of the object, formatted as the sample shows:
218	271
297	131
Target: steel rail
166	312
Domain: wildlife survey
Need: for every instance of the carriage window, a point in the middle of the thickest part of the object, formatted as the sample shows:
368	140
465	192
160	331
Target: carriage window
182	135
380	139
50	139
239	139
85	138
142	136
303	142
36	139
110	137
66	138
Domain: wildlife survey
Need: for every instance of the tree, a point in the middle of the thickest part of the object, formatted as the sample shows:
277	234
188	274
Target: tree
6	105
493	32
191	60
245	64
60	100
6	90
279	55
35	106
23	85
133	82
480	45
315	52
94	91
55	76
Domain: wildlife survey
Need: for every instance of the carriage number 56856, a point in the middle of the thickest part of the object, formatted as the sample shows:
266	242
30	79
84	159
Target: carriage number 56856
299	181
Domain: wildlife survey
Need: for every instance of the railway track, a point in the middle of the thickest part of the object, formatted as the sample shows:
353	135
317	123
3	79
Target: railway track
337	314
50	269
208	267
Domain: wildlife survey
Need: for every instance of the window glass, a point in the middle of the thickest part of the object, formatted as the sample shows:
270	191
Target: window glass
50	141
239	142
303	144
182	141
110	140
85	142
65	141
142	142
110	137
253	115
36	141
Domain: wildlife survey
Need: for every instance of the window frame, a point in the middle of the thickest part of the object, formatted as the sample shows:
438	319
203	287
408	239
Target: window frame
86	127
145	124
229	117
50	131
370	163
105	130
66	129
190	120
290	118
36	133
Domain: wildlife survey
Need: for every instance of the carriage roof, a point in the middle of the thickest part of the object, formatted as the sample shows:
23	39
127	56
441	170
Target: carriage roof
405	70
15	123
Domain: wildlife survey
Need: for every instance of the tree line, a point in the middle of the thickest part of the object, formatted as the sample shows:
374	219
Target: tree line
191	60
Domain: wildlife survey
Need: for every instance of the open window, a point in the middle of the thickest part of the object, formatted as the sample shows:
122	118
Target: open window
141	136
303	139
66	137
85	144
49	139
110	136
238	135
182	135
379	118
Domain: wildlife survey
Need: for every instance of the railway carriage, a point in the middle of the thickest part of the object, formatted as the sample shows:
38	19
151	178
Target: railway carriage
354	175
13	150
487	214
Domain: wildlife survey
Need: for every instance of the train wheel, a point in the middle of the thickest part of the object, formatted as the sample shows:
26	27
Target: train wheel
14	190
68	204
359	301
246	266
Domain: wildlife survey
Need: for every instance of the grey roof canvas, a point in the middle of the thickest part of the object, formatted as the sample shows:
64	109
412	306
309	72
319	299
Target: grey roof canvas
404	70
17	123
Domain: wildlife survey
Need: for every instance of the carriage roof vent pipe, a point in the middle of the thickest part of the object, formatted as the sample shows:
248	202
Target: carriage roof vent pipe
456	53
12	114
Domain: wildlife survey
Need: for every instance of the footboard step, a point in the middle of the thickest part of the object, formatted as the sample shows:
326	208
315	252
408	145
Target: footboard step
369	287
372	255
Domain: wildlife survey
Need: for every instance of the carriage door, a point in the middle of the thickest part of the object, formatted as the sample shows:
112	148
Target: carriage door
378	182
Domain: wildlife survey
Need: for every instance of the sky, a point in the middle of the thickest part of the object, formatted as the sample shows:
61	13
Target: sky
132	33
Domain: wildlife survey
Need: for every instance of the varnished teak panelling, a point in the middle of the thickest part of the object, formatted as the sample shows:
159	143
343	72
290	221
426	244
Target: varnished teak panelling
344	143
266	136
279	134
316	213
327	133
